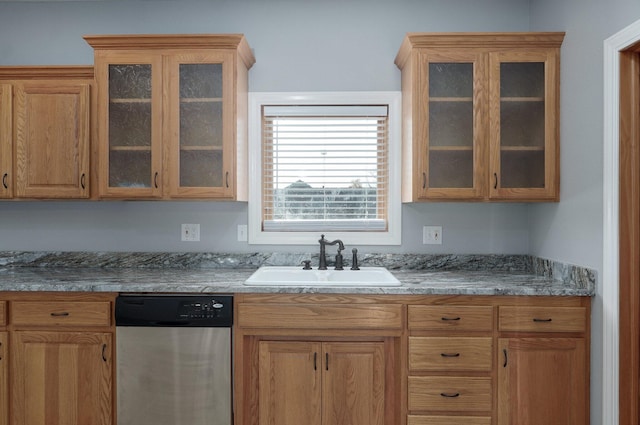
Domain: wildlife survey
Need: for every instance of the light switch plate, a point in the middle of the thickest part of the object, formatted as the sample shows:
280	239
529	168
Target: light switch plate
242	232
432	235
190	233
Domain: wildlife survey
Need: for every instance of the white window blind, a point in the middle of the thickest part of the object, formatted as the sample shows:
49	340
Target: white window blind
325	168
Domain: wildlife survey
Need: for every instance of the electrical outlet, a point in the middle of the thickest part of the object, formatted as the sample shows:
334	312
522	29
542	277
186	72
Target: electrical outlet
190	233
242	232
432	235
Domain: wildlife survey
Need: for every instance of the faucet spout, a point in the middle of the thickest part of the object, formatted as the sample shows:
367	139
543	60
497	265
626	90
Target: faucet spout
322	265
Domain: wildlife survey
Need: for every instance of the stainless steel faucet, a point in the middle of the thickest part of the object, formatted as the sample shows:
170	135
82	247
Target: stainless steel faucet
323	256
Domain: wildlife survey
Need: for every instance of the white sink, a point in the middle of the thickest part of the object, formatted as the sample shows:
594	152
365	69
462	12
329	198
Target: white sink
296	276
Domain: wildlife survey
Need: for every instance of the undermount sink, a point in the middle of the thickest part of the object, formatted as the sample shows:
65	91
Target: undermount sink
296	276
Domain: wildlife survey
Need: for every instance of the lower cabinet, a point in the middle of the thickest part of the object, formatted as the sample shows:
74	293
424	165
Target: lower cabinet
542	381
61	378
4	378
316	383
56	359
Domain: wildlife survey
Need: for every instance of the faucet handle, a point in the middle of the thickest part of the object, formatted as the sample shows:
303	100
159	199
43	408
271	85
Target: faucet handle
307	265
354	259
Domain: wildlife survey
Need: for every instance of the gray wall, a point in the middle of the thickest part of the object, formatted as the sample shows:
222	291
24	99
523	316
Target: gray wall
571	231
304	45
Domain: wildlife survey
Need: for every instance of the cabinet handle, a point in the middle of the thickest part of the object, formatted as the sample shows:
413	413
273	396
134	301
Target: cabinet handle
495	180
82	179
450	319
326	361
450	354
104	356
227	179
61	314
542	320
424	180
4	180
315	361
504	351
155	179
450	395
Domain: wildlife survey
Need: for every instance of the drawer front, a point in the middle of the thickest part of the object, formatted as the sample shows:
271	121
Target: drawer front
320	316
450	354
451	394
542	319
94	313
448	420
3	313
461	318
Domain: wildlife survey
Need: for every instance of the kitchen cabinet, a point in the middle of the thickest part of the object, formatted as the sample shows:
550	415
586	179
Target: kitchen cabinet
321	383
45	132
4	367
61	350
543	379
317	360
480	116
172	114
450	360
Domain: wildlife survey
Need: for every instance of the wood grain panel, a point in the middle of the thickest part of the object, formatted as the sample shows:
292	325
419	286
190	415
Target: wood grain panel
4	378
450	353
55	313
542	319
3	313
452	318
448	420
450	394
320	316
6	141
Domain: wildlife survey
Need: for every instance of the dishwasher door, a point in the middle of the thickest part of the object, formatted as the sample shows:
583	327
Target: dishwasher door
173	375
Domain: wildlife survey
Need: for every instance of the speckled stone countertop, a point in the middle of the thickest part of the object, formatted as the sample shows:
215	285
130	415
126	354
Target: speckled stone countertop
226	273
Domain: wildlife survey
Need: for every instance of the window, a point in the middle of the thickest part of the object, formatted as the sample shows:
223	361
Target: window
324	163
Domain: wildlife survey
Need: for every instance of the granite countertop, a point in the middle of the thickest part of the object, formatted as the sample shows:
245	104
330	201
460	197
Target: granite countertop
231	280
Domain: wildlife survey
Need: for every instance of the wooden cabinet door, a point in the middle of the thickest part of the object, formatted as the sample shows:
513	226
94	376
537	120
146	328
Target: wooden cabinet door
61	378
524	129
542	381
290	383
200	126
452	136
129	123
353	384
6	142
4	378
52	139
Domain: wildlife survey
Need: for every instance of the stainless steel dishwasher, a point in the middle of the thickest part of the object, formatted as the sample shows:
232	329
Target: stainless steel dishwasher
173	359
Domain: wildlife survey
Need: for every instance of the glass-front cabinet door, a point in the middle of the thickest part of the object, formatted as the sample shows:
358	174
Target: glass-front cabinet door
131	108
201	133
523	130
451	160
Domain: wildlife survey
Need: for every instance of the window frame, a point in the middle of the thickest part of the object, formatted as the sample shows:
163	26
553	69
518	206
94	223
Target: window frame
256	236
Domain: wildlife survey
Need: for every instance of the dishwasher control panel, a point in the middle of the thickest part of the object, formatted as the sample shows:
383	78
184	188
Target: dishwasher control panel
174	310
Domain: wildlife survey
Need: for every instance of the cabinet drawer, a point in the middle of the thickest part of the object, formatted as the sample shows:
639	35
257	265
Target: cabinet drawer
452	354
3	313
93	313
320	316
454	394
542	319
448	420
462	318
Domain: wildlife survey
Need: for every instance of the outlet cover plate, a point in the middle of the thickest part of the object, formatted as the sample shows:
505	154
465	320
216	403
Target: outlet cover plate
432	235
190	233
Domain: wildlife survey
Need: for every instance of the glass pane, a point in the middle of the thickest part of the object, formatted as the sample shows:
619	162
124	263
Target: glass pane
451	169
130	169
201	169
522	169
201	117
522	124
522	79
130	125
451	124
129	81
450	80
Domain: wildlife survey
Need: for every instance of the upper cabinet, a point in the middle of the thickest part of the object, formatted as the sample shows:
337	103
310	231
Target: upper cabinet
45	131
172	115
480	116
